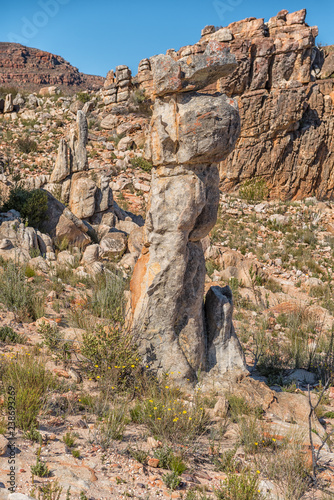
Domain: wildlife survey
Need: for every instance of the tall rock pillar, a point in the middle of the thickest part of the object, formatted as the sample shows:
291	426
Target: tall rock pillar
190	133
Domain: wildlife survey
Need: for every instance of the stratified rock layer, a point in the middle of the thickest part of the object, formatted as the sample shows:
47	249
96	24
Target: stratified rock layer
29	69
189	133
285	91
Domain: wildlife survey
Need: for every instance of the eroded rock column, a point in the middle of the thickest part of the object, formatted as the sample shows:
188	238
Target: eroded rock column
189	133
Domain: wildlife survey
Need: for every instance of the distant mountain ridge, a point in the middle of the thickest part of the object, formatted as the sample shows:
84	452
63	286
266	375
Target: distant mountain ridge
29	69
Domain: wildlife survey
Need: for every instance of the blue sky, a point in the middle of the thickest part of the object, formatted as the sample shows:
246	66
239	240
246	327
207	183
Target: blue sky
96	36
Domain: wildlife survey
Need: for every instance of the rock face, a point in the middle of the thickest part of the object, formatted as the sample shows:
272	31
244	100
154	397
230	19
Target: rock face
189	133
29	69
285	91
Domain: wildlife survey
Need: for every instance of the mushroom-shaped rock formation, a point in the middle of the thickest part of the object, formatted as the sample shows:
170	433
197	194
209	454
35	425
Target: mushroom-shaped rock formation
190	132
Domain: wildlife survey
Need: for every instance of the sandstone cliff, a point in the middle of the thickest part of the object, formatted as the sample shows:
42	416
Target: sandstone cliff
285	90
29	69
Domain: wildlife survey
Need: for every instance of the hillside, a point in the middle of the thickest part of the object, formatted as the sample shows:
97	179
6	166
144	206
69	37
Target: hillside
29	69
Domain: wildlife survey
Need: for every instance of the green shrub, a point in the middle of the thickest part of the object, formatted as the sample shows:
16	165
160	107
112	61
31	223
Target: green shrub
140	162
83	97
69	440
139	455
254	190
171	480
32	205
243	486
8	90
8	335
26	145
40	469
33	435
110	348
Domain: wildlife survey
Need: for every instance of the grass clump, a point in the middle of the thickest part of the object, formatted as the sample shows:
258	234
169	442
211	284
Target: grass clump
40	469
69	440
113	426
26	145
254	190
18	295
108	297
243	486
32	384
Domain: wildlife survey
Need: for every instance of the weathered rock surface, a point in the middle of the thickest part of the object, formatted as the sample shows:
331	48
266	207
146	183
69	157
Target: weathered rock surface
224	352
62	168
188	133
61	224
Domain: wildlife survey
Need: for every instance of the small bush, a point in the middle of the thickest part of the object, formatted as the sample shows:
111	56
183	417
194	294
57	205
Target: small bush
139	455
8	90
40	469
33	435
32	205
140	162
83	97
254	190
26	145
168	417
76	453
227	462
8	335
171	480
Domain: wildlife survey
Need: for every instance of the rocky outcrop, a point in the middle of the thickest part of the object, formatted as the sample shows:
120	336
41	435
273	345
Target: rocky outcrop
189	133
286	112
85	193
117	86
29	69
285	91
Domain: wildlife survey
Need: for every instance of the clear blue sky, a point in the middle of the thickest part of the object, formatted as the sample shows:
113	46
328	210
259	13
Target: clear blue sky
96	36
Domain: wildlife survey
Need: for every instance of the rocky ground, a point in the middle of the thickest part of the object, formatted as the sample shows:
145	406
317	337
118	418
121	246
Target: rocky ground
92	419
278	259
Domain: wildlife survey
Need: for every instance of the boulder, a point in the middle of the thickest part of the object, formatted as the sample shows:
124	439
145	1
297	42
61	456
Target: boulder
61	224
91	254
214	119
3	444
78	143
136	239
224	351
113	244
193	72
66	259
82	196
109	122
8	106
